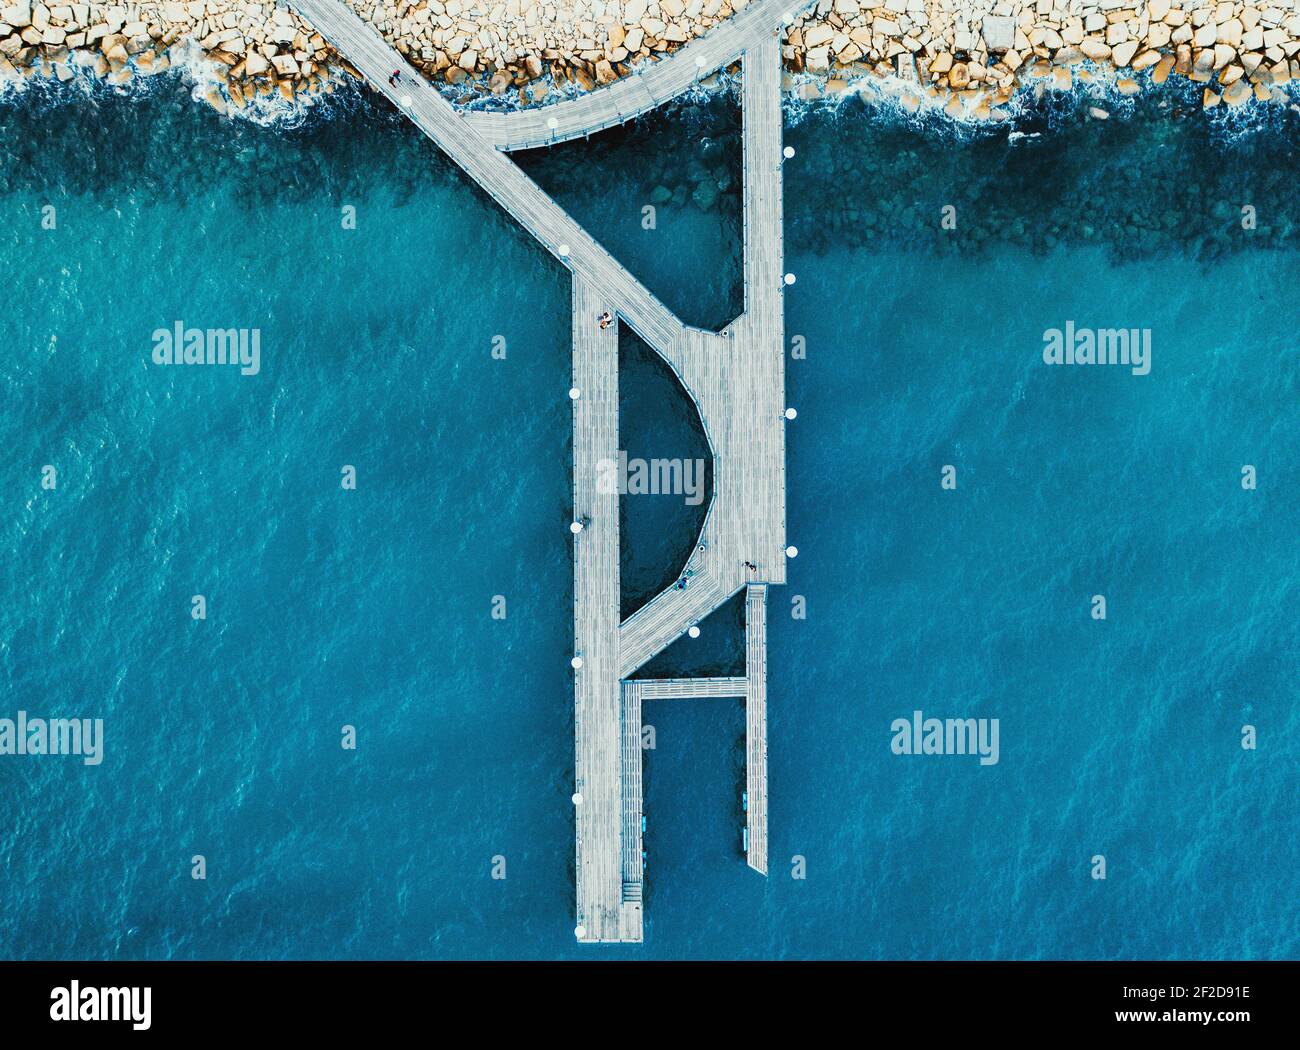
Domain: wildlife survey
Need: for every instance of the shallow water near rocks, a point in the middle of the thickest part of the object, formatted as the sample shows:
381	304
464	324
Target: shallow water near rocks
372	607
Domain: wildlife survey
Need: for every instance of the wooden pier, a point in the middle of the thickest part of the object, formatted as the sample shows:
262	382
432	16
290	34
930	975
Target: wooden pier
756	727
597	717
735	377
651	84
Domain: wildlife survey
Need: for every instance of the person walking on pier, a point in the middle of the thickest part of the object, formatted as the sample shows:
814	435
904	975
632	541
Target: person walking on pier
395	77
605	320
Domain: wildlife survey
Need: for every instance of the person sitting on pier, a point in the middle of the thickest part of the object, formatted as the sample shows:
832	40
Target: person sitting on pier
605	320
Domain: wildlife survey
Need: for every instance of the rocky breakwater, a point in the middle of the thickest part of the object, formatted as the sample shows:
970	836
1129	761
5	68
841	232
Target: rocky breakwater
531	46
971	55
528	47
966	55
254	49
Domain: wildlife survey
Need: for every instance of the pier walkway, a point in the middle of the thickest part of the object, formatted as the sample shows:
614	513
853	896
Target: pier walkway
651	84
735	378
752	688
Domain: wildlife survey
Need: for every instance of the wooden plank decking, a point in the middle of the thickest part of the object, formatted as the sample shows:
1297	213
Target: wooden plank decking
653	83
689	688
735	377
597	716
756	726
630	927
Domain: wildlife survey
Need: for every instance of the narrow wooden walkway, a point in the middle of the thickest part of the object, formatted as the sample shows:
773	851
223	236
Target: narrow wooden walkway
756	727
689	688
735	377
633	870
652	83
597	715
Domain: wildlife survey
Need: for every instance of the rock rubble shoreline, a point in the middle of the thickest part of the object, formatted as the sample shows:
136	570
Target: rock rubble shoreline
967	56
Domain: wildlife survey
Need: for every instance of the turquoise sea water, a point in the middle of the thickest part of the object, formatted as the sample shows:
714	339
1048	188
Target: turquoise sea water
372	607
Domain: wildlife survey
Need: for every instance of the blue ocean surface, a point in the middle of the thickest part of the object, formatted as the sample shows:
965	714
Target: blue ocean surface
372	607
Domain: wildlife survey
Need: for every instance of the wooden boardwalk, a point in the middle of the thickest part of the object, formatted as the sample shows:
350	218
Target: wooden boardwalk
652	83
756	727
690	688
736	379
596	714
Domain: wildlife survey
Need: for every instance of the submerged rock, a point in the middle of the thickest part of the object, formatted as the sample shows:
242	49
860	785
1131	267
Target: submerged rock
705	195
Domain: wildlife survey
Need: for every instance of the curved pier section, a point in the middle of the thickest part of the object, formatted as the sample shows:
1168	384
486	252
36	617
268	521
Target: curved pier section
737	380
651	85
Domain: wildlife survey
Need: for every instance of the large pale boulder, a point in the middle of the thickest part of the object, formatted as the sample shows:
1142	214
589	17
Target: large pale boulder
999	32
818	36
818	60
19	15
1237	93
1122	54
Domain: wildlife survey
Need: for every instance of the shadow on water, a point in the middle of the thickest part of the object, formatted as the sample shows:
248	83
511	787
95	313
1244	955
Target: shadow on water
664	195
661	433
